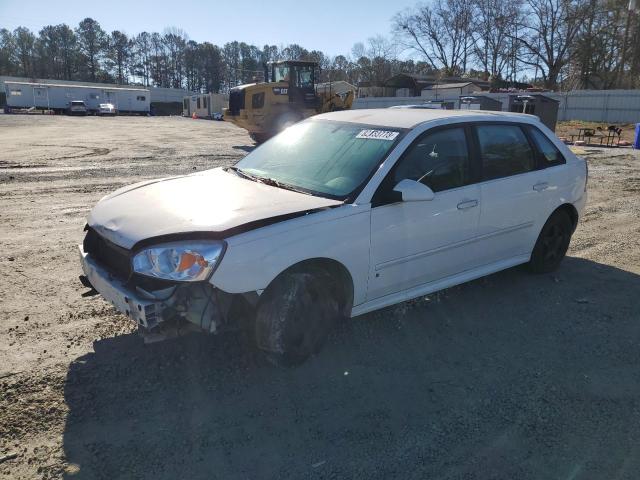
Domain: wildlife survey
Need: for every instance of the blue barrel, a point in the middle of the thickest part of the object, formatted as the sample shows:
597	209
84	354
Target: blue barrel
636	143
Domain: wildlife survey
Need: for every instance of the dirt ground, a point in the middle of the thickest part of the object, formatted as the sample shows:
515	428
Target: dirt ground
513	376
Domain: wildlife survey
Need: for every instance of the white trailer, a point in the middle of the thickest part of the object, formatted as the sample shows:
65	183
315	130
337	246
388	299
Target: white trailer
205	105
57	97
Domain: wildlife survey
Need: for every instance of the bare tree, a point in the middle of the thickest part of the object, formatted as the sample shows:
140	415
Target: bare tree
440	32
493	21
547	36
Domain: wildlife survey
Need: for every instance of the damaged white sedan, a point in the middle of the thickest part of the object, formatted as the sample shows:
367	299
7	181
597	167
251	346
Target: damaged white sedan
339	215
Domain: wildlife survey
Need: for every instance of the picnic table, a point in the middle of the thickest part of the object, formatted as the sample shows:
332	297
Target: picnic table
586	134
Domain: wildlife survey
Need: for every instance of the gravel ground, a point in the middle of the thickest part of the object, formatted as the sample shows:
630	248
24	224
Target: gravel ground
511	376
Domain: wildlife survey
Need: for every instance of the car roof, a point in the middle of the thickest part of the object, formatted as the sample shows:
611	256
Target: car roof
411	117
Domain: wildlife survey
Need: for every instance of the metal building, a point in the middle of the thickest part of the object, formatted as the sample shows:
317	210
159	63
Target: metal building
542	106
204	105
57	97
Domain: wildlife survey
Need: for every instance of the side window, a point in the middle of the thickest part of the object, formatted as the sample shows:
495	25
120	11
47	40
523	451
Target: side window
257	100
440	160
198	103
549	152
504	150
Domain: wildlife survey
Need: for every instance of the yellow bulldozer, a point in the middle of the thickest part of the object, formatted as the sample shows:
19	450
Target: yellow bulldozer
288	94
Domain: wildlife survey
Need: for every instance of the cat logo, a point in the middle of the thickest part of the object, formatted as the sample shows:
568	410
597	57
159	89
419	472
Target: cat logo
280	90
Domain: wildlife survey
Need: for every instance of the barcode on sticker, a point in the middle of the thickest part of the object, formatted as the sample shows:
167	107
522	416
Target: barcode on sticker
378	134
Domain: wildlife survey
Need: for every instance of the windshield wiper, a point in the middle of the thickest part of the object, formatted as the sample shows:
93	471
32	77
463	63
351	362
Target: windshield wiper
285	186
270	181
244	174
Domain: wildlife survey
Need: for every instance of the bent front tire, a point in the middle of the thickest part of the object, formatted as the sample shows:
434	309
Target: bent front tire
552	243
294	317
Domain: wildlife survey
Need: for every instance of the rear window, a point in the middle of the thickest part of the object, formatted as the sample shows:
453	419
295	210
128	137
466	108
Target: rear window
257	100
548	151
504	150
78	103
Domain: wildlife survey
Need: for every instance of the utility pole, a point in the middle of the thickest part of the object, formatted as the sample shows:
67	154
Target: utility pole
633	5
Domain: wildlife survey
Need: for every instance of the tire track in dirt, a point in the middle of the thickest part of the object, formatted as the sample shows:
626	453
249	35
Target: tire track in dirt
93	151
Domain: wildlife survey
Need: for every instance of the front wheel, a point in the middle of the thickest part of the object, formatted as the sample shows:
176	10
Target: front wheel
294	317
552	243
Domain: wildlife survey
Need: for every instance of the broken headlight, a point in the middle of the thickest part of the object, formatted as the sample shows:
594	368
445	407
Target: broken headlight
179	261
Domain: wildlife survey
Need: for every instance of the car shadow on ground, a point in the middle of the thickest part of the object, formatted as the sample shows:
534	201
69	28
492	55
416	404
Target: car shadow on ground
510	376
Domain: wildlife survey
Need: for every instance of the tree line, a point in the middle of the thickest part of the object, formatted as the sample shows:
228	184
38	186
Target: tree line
550	43
553	43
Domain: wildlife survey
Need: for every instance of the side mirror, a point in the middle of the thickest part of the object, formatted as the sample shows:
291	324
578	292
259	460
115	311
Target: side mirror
413	191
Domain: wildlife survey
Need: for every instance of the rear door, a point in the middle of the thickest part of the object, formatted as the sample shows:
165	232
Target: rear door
414	243
513	190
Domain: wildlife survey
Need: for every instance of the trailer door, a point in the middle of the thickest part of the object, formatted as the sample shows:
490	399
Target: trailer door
40	98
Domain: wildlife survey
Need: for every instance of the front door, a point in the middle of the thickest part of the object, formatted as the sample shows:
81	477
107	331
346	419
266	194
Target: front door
302	85
415	243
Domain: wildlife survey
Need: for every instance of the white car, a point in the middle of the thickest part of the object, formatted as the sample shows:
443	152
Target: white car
106	109
338	215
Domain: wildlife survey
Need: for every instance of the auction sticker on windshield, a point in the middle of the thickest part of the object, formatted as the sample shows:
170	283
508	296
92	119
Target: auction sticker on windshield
378	134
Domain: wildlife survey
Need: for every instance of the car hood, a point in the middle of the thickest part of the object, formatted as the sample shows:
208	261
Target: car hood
213	201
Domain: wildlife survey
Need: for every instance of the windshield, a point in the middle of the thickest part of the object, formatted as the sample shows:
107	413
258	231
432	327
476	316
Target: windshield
326	158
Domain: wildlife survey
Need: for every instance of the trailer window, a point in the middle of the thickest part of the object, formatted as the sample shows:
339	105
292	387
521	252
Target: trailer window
94	96
198	102
142	98
16	92
204	100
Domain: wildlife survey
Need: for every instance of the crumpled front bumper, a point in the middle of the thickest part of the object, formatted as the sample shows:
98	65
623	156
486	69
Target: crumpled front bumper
144	311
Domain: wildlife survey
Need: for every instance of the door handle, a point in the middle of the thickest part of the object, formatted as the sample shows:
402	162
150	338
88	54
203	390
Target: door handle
539	187
467	204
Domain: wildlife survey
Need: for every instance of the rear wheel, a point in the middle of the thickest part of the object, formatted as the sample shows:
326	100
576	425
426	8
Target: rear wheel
552	243
294	317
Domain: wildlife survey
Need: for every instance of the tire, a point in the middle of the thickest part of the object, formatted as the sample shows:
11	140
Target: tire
294	317
552	243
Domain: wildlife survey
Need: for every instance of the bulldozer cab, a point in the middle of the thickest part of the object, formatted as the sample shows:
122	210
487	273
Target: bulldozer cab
300	77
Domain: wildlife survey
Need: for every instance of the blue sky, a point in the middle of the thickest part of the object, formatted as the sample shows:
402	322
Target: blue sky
328	25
